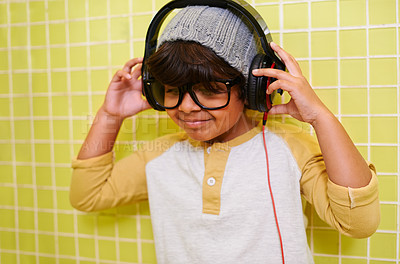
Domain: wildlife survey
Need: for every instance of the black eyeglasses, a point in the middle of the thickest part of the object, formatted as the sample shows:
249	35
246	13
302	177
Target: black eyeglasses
211	95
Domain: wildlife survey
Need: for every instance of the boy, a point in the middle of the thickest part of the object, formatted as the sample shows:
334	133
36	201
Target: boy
209	196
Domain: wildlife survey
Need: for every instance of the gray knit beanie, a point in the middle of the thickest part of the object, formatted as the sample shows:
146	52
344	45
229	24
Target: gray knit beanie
218	29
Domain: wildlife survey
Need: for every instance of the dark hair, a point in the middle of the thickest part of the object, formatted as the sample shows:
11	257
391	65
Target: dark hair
177	63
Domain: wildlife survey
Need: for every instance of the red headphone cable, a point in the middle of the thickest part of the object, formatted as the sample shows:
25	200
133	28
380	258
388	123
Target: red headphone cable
265	118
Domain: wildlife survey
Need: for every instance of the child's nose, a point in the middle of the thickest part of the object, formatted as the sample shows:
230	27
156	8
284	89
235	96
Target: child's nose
188	105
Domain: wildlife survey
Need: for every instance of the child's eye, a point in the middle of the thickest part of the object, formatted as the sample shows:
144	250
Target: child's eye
172	91
204	91
212	89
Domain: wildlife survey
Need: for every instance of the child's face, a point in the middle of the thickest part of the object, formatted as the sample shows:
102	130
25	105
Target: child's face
211	125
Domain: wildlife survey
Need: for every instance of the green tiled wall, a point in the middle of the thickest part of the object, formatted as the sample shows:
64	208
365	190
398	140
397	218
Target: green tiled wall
56	59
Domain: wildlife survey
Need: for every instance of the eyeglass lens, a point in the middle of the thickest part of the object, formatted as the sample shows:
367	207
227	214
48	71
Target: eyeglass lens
208	95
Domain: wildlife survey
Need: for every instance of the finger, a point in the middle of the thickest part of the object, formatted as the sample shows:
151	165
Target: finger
129	64
281	84
119	75
137	71
275	73
280	109
290	62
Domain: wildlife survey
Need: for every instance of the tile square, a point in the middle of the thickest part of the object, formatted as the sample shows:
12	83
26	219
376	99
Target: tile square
39	59
79	81
65	223
46	244
295	16
383	71
354	101
7	219
37	11
296	44
128	251
39	83
77	31
98	8
353	72
8	240
19	59
383	245
18	36
24	174
383	100
66	246
56	10
57	34
26	220
120	29
358	40
388	188
323	44
41	129
40	105
382	12
384	158
382	41
323	14
22	129
352	13
97	30
45	221
27	242
76	9
43	176
42	153
18	12
324	73
107	250
23	152
38	35
326	242
384	130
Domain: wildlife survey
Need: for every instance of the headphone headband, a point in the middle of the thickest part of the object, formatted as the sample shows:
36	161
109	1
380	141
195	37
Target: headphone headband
241	6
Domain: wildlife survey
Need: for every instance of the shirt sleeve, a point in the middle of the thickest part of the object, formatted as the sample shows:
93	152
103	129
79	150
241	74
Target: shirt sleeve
99	183
354	212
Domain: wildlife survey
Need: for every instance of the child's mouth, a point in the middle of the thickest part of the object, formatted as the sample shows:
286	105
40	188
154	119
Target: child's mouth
195	123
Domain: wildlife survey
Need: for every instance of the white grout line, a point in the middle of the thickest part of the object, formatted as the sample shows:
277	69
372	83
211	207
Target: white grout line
12	126
310	79
398	131
32	143
368	107
339	104
89	78
70	124
51	134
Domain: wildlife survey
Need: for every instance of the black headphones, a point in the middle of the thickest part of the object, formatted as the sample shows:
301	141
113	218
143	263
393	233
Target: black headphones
256	86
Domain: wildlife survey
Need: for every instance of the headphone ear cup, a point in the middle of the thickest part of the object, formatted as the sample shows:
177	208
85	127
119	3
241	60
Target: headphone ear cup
149	97
256	86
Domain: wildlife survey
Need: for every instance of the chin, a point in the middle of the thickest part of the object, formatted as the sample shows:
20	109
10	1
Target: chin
200	136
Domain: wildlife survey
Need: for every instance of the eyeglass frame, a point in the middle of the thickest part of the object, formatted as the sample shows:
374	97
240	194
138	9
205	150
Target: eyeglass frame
187	88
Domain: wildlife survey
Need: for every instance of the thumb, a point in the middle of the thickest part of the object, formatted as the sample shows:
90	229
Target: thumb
278	109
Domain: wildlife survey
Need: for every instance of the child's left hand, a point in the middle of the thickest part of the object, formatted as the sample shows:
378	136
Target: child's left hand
304	104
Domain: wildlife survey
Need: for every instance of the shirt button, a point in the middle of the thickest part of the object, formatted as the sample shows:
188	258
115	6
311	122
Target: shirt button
211	181
208	150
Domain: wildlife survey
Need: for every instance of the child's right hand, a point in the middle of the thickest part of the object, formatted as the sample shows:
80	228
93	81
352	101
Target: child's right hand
124	94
